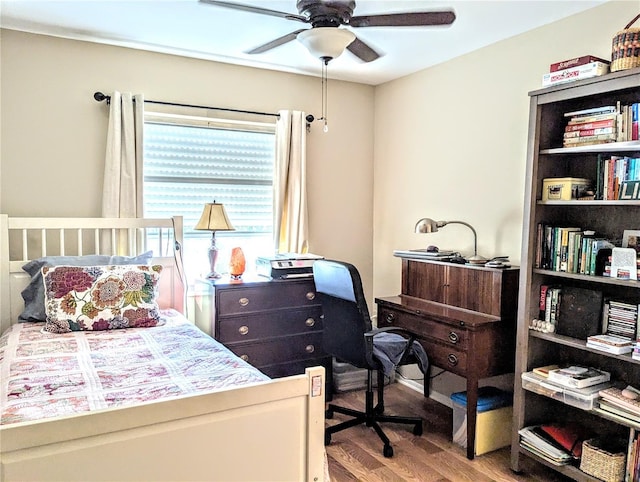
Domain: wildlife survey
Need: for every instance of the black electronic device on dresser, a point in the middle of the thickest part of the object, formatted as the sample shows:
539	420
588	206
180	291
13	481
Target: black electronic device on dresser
275	325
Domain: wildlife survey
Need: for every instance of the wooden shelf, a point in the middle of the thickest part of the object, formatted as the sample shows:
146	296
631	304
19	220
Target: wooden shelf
569	470
604	280
608	218
581	345
629	146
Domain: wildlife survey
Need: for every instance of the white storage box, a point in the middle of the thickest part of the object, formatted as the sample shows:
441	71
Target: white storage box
584	398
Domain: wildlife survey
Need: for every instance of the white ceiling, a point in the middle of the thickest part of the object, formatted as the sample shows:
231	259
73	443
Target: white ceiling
194	29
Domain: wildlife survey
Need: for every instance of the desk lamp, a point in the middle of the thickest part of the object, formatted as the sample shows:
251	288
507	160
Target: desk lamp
426	225
214	218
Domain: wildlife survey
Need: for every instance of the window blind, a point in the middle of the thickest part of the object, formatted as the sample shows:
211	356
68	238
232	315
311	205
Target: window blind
188	166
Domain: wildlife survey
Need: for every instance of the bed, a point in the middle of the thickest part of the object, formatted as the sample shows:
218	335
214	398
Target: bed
235	426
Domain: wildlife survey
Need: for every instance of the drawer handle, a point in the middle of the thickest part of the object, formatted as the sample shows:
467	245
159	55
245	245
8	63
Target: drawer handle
390	317
310	348
243	301
245	357
453	337
311	295
310	322
452	359
243	330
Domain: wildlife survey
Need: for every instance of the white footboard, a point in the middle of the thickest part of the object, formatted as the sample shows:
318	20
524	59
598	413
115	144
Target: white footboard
266	432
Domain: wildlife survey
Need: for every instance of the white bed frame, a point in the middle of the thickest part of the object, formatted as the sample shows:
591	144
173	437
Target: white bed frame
272	431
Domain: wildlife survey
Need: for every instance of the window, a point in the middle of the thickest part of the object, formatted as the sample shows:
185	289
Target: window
189	161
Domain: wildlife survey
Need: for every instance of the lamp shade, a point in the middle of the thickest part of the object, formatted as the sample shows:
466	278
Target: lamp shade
427	225
214	218
326	42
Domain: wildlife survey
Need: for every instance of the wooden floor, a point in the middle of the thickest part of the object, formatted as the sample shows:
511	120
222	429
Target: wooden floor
355	454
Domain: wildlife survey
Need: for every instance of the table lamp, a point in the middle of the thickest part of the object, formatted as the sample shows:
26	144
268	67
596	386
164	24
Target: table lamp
214	218
427	225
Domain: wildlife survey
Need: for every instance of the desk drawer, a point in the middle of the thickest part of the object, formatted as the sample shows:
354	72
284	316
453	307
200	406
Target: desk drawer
280	350
426	328
267	297
268	325
447	357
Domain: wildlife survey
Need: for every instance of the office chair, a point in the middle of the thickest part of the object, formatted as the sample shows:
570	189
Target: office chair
348	336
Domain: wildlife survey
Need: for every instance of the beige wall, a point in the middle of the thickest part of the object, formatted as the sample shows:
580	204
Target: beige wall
450	144
54	133
450	141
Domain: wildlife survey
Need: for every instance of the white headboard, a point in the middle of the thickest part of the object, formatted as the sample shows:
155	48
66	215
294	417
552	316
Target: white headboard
24	239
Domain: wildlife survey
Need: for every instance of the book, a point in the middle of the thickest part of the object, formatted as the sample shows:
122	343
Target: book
614	396
607	109
610	349
600	124
586	71
609	407
575	62
589	132
569	436
578	377
544	370
579	312
613	341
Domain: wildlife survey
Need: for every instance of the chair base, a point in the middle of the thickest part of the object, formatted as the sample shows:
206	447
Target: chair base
371	418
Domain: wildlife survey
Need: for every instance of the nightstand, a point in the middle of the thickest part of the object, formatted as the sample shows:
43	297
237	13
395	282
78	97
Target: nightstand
275	325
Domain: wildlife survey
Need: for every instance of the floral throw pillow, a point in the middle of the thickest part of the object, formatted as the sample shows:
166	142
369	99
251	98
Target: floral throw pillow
100	297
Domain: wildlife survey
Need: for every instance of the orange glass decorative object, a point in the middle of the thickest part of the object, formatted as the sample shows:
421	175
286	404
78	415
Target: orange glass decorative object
237	263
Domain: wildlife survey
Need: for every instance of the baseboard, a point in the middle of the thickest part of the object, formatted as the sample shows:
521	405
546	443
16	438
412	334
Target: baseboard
418	387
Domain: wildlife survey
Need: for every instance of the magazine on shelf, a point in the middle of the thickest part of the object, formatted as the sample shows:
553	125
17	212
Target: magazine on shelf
610	344
578	376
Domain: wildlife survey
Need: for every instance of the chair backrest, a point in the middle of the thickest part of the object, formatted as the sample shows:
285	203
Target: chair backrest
344	309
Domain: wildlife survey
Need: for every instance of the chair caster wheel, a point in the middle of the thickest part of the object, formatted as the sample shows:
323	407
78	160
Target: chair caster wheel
417	430
328	414
327	438
387	451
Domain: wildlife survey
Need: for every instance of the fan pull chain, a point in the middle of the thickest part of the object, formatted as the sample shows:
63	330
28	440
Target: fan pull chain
325	92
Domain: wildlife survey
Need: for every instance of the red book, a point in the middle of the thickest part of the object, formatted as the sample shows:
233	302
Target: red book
567	64
569	436
591	125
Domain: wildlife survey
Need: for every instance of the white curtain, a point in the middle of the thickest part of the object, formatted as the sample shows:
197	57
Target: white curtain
290	226
122	189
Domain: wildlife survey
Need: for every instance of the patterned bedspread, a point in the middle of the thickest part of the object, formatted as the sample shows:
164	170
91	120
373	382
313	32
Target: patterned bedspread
45	375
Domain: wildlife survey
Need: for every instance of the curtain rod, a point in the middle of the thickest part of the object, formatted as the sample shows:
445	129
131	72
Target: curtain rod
99	96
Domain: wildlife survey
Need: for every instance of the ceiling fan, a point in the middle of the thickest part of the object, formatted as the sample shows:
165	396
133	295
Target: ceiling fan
331	14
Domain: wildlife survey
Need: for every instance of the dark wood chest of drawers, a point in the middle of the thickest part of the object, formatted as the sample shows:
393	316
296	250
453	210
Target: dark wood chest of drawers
275	325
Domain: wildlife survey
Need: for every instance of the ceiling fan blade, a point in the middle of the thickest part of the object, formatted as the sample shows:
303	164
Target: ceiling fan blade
409	19
362	51
275	43
252	9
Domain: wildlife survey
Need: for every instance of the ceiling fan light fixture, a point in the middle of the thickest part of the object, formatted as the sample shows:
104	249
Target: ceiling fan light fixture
326	43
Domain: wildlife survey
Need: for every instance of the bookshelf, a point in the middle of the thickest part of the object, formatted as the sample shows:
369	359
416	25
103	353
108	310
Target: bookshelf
609	218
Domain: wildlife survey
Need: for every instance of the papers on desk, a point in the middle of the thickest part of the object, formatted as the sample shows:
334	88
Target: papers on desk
441	255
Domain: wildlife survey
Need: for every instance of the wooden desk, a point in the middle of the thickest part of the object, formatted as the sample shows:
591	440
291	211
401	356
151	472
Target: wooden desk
464	316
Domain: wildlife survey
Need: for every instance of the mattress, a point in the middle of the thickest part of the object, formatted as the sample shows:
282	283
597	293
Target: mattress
44	375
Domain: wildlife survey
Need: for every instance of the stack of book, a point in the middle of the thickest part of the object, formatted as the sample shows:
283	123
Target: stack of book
617	403
587	127
620	319
578	68
559	444
610	344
